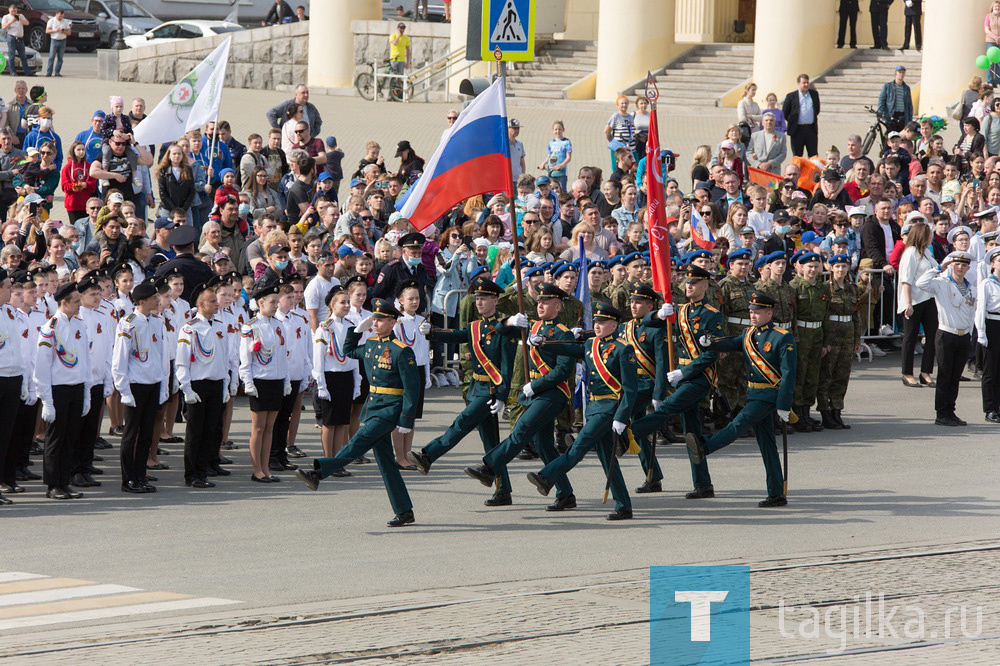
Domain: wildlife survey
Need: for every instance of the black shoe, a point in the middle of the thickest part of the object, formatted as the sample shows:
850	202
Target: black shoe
72	494
816	425
275	466
993	417
562	503
540	483
309	477
958	421
400	519
97	458
499	499
102	443
288	467
963	378
228	445
946	421
35	449
621	514
29	475
211	472
529	453
773	501
406	468
420	461
701	493
117	431
199	483
695	447
79	481
801	425
219	471
174	439
150	477
150	488
482	473
223	460
4	501
259	479
158	466
829	422
272	479
840	421
12	489
90	469
650	487
670	436
360	461
58	494
341	474
94	483
295	452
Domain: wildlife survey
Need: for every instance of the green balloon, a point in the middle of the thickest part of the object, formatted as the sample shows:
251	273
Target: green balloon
993	53
982	62
3	62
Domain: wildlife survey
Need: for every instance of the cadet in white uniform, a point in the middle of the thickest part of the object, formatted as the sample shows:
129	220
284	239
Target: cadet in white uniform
100	341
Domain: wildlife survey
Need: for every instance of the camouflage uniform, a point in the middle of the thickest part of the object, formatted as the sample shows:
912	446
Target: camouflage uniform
842	334
785	299
736	310
507	306
810	307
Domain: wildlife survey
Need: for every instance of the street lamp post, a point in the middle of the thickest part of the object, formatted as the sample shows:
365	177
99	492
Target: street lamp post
119	40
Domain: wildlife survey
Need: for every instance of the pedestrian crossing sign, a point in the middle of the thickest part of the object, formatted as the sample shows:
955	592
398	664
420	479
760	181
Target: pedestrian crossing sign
508	26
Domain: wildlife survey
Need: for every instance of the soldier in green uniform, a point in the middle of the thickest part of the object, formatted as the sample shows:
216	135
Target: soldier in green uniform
571	316
611	379
842	336
703	259
395	385
545	396
781	292
617	276
597	274
507	307
811	300
770	360
635	265
467	313
695	375
492	365
735	291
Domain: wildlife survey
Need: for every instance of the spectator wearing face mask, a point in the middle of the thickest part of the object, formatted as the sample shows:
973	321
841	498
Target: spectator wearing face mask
43	133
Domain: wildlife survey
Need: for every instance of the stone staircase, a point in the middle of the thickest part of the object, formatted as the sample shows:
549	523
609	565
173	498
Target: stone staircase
856	81
698	79
556	65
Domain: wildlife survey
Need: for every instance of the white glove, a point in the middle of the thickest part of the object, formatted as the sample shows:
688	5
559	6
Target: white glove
357	393
108	390
424	328
666	310
190	397
618	427
86	403
783	415
128	401
675	376
657	403
520	320
164	396
287	388
528	391
577	332
496	406
323	394
984	341
535	340
402	431
364	325
427	381
704	341
234	388
24	391
251	390
32	399
48	412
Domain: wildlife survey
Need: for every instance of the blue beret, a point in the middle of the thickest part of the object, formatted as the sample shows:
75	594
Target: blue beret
525	262
632	256
759	264
645	255
742	253
808	257
777	255
564	268
841	239
476	272
839	259
697	254
810	237
531	272
545	266
616	260
602	264
797	254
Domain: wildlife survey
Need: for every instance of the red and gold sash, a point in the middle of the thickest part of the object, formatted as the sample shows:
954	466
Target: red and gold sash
541	366
489	367
602	369
690	340
758	361
646	362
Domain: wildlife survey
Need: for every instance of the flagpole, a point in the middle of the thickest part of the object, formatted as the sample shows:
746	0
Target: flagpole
215	135
513	231
656	181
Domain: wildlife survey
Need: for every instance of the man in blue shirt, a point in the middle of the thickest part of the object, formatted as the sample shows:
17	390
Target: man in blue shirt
91	138
221	158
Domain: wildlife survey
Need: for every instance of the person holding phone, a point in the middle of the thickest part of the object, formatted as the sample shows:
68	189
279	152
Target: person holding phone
14	23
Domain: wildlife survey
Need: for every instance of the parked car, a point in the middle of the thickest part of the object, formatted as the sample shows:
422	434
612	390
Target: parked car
175	31
85	36
135	19
35	62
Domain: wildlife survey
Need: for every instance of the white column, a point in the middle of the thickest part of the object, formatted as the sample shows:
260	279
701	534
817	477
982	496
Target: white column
331	40
793	37
953	38
633	37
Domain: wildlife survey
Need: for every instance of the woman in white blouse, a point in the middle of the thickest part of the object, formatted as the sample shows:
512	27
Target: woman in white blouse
988	328
917	305
747	110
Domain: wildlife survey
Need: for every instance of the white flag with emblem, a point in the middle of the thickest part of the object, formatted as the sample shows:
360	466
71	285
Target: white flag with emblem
194	101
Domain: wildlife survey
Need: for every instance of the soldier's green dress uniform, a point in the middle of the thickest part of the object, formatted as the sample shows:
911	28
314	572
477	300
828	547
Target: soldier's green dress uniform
736	309
810	317
770	357
695	362
842	334
395	384
492	350
571	316
611	379
507	307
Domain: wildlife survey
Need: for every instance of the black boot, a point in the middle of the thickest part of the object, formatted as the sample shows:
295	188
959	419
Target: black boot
801	425
840	420
669	435
828	420
815	425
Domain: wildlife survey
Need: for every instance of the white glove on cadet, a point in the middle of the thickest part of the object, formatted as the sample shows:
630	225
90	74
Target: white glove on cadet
287	388
618	427
128	400
190	397
783	415
984	341
251	390
323	394
48	412
496	407
24	391
666	310
674	376
528	391
577	332
427	381
520	320
424	328
535	340
402	431
86	403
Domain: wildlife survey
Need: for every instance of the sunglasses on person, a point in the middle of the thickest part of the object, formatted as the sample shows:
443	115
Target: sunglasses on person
119	143
453	118
707	212
454	236
367	219
45	152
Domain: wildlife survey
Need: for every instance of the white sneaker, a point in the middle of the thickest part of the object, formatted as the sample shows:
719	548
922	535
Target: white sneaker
453	376
885	330
877	351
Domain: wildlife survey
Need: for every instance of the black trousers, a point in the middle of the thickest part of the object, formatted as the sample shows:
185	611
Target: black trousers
279	434
89	430
924	314
138	435
20	444
62	437
845	17
991	369
880	23
203	434
952	351
10	401
804	137
913	23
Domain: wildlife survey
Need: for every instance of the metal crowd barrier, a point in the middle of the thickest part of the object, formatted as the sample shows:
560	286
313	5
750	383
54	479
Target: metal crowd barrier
878	319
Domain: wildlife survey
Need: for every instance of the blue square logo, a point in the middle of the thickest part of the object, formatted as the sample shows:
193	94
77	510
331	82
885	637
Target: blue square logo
699	615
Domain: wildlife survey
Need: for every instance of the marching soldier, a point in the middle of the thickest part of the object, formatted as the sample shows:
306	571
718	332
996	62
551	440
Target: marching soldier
507	306
611	378
842	336
101	340
811	313
62	379
492	363
704	259
770	359
695	375
545	396
735	290
394	387
140	370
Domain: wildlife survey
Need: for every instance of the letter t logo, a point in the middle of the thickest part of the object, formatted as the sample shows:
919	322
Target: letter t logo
701	610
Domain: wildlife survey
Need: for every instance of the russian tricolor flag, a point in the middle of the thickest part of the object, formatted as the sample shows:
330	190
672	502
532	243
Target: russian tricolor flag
701	233
473	159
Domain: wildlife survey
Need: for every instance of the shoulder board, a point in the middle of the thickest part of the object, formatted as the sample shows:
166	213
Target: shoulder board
299	315
780	330
51	323
400	344
251	321
562	327
130	317
709	306
190	322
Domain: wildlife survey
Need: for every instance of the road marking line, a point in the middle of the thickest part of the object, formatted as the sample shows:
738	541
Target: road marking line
99	613
10	576
42	584
85	604
44	596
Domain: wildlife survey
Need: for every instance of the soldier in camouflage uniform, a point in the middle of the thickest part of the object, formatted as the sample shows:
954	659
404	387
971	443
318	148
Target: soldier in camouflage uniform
597	275
780	291
810	307
571	316
704	259
634	265
842	337
735	289
507	307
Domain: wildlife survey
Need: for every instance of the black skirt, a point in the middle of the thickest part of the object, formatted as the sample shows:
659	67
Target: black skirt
270	393
337	410
423	382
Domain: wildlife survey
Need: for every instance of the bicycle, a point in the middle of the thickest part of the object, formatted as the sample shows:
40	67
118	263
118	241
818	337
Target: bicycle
879	128
364	82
